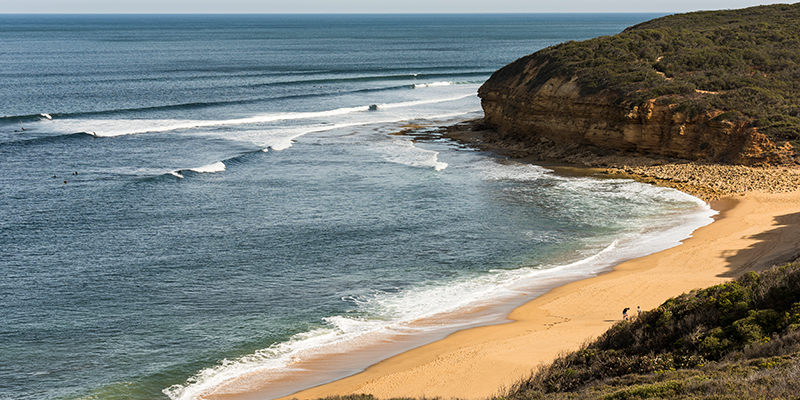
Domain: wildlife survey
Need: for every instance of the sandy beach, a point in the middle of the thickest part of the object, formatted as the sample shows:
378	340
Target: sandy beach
758	226
752	232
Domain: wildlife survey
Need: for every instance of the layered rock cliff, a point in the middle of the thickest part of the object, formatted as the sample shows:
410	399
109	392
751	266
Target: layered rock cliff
556	114
542	100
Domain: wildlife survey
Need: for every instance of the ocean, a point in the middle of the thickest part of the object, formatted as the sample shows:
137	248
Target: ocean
186	200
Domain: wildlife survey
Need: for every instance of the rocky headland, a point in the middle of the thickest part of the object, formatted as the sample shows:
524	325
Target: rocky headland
706	180
717	86
706	102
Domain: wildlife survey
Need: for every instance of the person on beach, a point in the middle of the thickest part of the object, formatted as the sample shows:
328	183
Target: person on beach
638	311
625	313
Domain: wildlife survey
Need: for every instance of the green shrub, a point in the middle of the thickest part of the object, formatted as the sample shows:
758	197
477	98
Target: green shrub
747	57
757	315
658	390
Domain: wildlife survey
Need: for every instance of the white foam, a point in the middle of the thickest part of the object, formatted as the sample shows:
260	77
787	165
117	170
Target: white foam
283	139
493	170
48	116
413	103
400	312
342	334
277	356
598	189
152	172
165	126
218	166
119	127
432	84
403	151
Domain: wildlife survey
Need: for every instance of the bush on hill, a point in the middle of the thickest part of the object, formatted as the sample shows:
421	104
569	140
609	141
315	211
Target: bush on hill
706	343
734	60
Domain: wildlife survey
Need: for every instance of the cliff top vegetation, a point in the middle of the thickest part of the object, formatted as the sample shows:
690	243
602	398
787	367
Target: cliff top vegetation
745	63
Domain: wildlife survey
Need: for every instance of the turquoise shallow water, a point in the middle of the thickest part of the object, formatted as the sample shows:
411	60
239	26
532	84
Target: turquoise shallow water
185	199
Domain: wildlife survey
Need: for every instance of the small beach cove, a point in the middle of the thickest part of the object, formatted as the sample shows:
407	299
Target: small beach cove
752	231
255	195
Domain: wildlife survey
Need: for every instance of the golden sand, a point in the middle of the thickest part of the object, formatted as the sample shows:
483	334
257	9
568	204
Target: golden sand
752	232
758	231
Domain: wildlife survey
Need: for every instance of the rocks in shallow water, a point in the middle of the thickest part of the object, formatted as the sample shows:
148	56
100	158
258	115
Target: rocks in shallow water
705	180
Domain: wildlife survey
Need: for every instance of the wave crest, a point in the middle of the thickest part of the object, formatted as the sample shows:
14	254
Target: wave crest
404	152
218	166
432	84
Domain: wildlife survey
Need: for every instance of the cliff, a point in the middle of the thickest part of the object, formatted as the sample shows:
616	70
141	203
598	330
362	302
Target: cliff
713	86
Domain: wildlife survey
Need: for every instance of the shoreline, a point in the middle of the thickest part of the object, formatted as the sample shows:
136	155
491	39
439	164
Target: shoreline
706	181
752	232
478	362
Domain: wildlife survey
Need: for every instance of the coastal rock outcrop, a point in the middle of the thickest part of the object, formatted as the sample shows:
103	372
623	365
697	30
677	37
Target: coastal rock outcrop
557	114
641	93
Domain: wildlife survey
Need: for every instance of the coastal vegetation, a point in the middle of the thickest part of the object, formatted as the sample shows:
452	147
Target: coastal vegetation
731	341
736	340
743	64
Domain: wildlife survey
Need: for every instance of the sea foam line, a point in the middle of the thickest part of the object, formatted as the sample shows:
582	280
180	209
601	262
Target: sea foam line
432	84
153	126
404	152
396	313
343	334
423	102
112	128
218	166
284	139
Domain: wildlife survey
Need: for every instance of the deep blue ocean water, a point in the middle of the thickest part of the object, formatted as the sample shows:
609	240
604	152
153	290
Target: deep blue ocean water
188	199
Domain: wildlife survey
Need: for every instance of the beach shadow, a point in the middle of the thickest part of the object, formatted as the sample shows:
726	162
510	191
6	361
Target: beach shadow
779	245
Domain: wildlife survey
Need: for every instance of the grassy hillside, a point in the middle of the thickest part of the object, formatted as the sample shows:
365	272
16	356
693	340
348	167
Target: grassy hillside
744	62
736	340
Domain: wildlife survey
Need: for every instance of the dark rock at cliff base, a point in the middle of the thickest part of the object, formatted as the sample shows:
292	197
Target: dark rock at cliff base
719	86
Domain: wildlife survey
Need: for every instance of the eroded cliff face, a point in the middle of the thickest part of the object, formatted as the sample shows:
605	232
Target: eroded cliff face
555	114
